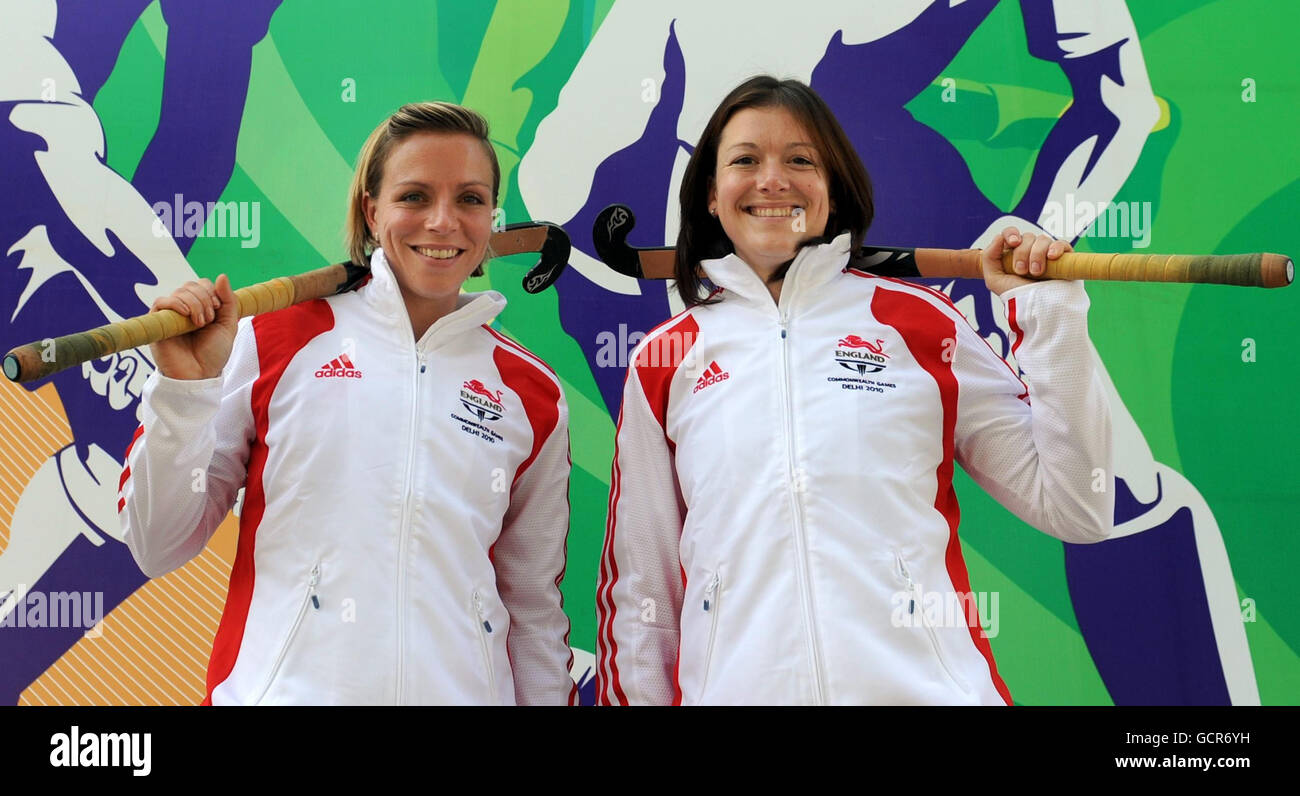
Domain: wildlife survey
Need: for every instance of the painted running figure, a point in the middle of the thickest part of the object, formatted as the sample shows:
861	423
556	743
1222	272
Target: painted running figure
66	262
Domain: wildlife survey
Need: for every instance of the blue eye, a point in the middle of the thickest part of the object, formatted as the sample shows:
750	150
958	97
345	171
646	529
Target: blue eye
474	199
413	196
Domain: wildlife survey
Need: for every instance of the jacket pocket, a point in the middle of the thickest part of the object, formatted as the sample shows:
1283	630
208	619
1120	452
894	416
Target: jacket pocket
308	598
484	628
710	606
918	610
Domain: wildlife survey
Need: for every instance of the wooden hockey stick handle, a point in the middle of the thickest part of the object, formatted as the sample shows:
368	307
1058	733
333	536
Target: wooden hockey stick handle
51	355
1247	270
610	230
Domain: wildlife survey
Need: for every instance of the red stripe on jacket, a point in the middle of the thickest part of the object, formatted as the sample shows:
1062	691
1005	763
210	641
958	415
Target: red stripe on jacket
939	294
1020	338
609	691
528	355
139	432
656	363
925	329
126	469
1015	327
541	399
280	336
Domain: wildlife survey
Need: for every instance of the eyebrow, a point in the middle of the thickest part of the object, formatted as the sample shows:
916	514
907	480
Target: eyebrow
752	145
469	184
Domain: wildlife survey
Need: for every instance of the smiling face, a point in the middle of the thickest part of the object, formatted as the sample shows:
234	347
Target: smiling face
432	215
769	188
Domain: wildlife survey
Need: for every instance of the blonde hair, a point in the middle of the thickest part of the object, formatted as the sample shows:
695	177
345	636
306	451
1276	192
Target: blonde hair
412	118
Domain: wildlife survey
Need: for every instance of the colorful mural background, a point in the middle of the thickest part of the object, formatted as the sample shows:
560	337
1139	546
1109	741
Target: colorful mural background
1206	373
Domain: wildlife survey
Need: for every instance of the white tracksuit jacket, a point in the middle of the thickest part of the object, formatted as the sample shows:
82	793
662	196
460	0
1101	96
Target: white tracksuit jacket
402	535
783	525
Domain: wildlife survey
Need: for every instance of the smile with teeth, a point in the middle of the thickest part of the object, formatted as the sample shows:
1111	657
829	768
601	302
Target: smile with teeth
437	254
766	212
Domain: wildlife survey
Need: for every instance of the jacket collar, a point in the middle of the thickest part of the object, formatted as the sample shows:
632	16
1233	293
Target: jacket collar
472	309
813	266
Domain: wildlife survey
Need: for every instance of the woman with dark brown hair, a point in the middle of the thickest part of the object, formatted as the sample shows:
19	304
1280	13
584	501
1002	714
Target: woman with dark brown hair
783	523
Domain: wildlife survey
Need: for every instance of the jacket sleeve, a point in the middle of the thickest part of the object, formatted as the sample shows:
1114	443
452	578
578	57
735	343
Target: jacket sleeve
640	592
188	460
1044	450
529	558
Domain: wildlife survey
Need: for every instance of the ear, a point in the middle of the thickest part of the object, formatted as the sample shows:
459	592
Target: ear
713	198
368	207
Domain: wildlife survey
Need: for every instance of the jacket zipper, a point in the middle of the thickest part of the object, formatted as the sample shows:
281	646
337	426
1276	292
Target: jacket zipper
710	608
308	598
925	622
402	528
801	547
484	630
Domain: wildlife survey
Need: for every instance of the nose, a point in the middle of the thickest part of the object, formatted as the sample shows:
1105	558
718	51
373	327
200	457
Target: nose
771	176
441	217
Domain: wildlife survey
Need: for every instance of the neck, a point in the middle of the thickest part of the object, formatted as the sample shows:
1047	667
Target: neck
426	312
774	287
764	268
772	276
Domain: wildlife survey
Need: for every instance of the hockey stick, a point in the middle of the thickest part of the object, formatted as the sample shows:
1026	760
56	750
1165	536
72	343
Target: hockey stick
39	359
609	234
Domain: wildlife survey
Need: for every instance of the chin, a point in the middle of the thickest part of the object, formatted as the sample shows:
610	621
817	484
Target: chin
443	291
781	254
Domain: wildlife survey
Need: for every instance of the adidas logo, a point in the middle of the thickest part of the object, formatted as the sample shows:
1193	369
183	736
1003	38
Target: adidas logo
339	368
712	375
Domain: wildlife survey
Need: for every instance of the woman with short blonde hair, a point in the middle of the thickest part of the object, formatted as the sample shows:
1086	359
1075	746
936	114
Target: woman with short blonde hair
405	466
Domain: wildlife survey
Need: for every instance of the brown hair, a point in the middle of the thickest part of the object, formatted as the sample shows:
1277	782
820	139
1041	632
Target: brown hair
701	236
412	118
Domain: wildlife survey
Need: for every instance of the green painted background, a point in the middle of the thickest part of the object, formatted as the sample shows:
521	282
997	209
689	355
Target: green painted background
1222	175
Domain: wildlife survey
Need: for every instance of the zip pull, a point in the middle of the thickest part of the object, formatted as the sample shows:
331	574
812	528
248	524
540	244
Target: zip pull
911	590
709	592
783	323
422	365
311	584
478	608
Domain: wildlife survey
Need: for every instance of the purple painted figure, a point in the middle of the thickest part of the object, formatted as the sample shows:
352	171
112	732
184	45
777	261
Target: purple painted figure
82	246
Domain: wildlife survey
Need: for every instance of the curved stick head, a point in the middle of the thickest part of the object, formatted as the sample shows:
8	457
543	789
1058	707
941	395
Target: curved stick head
555	256
609	235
